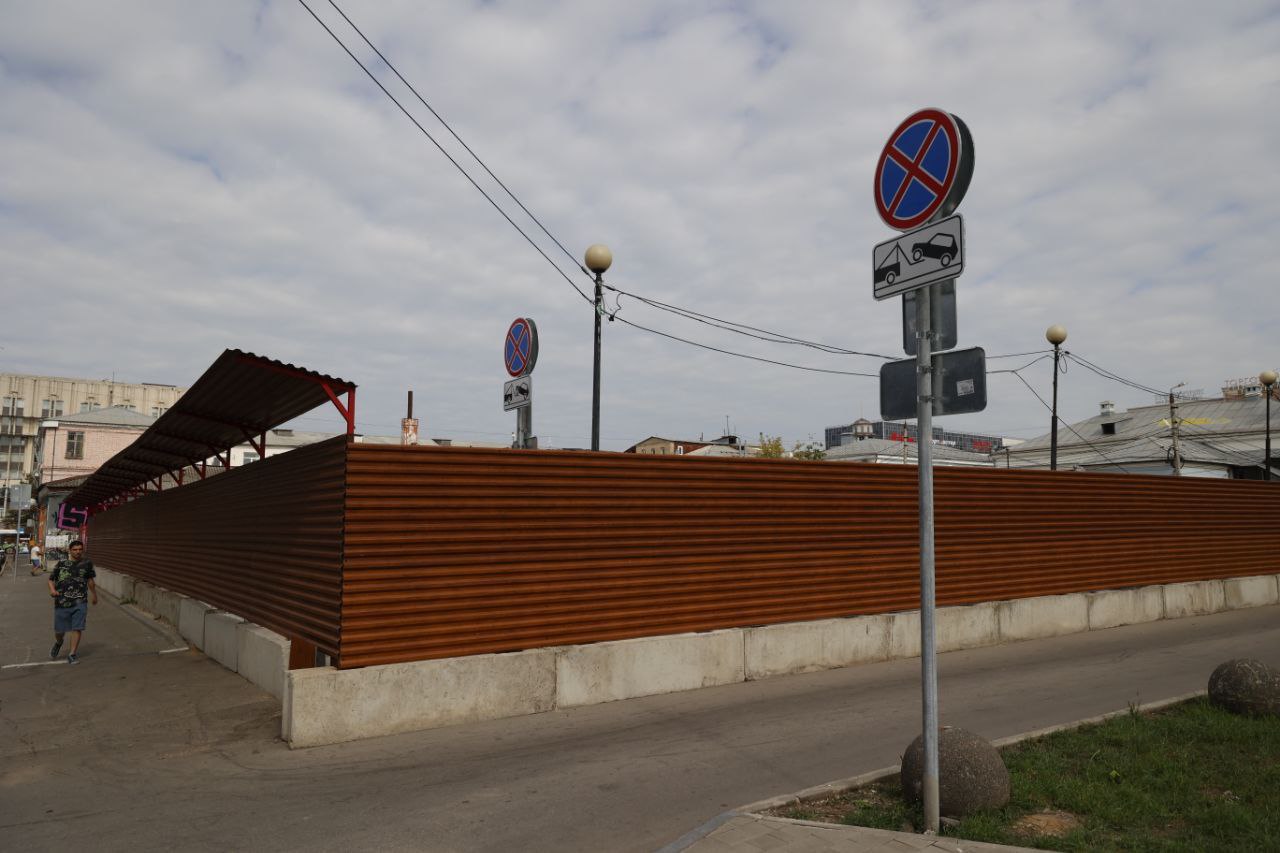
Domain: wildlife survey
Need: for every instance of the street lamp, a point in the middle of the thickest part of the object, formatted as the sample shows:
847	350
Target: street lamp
598	259
1055	335
1268	379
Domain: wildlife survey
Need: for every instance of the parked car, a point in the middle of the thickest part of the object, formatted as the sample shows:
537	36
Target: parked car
941	247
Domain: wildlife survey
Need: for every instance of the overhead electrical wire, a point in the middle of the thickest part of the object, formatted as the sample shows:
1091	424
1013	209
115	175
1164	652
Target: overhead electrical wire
765	335
1067	425
442	150
726	325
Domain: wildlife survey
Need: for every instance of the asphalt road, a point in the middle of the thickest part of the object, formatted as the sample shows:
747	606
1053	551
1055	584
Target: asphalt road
141	750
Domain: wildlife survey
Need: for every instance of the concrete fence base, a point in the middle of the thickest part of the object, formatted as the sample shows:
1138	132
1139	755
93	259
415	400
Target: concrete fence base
261	656
325	705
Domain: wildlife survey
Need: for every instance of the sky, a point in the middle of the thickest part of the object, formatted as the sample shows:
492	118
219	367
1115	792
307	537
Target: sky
180	178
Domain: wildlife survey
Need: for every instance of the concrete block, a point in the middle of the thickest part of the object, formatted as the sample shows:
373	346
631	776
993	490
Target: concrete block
820	644
904	634
262	656
1043	616
1114	607
1256	591
158	601
191	615
220	641
967	627
108	581
623	669
324	705
1193	599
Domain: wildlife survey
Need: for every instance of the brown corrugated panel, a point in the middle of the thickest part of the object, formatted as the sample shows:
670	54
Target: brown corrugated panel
263	541
453	551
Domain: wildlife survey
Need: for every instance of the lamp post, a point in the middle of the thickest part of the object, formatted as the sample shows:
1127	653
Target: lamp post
1055	335
48	478
598	259
1268	379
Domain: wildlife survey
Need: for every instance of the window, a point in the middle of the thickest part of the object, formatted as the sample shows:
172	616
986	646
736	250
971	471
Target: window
50	408
13	407
249	457
75	445
157	411
1108	428
89	405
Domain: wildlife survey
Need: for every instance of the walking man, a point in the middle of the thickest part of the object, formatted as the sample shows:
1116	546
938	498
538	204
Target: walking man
35	559
70	582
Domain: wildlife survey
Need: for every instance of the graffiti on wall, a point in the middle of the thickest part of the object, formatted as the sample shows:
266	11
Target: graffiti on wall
71	517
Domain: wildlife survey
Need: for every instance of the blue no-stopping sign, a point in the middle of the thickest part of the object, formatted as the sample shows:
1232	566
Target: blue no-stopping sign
924	170
520	350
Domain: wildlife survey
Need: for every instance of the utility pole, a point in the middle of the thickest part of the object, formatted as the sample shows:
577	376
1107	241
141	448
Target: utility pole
1173	422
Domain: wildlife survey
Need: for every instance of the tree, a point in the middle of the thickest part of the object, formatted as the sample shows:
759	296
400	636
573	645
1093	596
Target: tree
771	447
808	450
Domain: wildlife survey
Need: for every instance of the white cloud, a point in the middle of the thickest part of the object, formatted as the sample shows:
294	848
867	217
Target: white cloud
180	178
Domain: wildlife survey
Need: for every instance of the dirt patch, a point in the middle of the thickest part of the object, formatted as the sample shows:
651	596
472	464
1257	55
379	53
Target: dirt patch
1051	824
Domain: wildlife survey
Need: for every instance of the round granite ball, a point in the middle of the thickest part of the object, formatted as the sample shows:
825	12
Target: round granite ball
1245	686
971	773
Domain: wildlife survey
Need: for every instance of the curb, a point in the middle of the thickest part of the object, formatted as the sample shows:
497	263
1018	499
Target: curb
839	786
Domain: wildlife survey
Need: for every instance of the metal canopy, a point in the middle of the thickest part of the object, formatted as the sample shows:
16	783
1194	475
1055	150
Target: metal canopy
238	399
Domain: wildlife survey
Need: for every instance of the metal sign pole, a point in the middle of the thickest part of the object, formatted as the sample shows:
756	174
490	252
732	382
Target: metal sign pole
924	455
524	426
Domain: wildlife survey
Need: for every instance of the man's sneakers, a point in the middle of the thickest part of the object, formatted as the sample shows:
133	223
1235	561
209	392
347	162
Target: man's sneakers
53	652
72	659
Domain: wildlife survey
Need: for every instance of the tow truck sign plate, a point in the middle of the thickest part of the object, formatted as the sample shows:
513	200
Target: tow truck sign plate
918	258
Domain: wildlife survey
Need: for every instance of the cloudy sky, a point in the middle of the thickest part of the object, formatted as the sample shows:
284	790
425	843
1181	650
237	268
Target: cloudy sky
178	178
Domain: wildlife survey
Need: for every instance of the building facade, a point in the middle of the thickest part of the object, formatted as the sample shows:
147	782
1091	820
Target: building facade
907	431
27	400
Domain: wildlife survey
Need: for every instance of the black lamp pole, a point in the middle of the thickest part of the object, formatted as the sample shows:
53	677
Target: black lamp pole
1268	378
1055	335
598	259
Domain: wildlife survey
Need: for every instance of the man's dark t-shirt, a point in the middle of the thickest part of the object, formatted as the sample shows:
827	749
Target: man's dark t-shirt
71	580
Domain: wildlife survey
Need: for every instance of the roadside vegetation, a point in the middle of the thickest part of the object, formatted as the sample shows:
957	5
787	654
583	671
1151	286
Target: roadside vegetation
1187	778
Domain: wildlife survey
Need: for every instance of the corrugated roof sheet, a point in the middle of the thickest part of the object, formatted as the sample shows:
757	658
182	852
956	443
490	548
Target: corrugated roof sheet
240	395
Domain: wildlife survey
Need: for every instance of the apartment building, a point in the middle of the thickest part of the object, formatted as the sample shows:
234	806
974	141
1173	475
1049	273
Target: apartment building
27	400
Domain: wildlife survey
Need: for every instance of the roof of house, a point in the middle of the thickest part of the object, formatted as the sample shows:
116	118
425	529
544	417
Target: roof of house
109	416
870	448
1225	431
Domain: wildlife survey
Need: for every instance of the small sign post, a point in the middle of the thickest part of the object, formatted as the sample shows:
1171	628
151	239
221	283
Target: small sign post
921	177
519	355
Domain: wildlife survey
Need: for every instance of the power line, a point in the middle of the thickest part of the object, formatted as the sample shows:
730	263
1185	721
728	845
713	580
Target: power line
442	150
773	337
455	135
1107	374
707	319
1068	426
744	355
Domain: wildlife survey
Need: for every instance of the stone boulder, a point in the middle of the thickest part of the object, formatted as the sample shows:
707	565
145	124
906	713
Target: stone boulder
971	773
1245	686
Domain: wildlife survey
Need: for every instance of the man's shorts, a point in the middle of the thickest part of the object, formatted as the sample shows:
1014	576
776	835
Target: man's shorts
70	618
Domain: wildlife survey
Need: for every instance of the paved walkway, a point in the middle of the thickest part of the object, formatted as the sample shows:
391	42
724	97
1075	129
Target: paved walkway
137	750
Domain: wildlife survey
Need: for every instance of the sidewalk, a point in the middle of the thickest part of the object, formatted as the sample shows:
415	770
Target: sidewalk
26	626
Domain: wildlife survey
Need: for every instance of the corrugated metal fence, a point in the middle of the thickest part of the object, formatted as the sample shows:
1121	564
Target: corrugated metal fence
263	541
453	551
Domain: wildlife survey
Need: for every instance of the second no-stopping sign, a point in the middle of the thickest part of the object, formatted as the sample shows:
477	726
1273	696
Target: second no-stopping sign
520	350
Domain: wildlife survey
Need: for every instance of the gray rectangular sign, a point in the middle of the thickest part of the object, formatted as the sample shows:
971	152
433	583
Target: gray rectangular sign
942	310
959	385
517	393
918	258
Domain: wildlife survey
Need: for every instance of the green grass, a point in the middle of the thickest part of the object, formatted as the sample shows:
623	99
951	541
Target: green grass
1188	778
